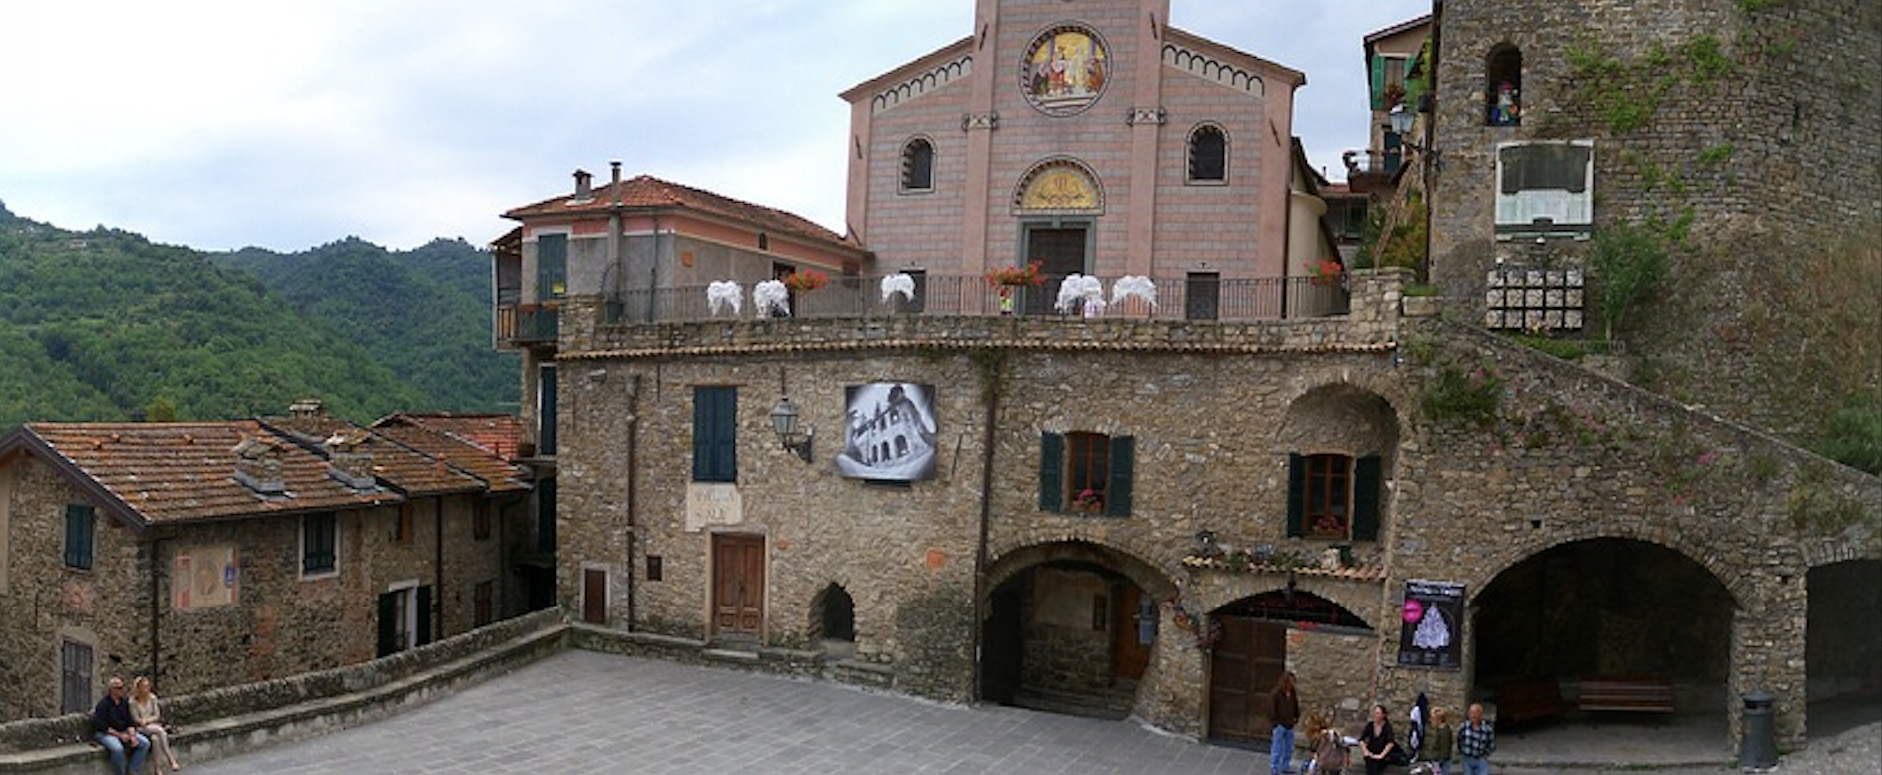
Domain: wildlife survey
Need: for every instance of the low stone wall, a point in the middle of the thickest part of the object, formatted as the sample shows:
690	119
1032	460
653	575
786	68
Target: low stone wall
792	663
234	719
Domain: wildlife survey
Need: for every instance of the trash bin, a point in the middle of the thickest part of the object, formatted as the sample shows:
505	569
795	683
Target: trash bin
1758	748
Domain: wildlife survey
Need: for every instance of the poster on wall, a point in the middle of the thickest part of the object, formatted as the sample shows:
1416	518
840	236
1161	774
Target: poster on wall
205	577
888	432
1432	634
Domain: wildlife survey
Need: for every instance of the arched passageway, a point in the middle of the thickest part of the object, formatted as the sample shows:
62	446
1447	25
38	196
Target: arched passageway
1071	630
1607	630
1843	646
1257	638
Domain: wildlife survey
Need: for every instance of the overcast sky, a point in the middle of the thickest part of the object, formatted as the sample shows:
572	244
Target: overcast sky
220	124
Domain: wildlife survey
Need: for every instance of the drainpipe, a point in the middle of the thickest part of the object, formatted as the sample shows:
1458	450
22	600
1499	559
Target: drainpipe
437	597
633	488
992	388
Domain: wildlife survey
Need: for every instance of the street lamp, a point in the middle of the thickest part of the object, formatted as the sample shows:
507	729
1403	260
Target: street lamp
784	423
1400	120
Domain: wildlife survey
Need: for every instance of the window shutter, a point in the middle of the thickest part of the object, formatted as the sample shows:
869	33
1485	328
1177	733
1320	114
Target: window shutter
1117	492
1378	82
715	434
77	536
725	444
1051	472
1296	494
424	616
552	260
1366	476
388	629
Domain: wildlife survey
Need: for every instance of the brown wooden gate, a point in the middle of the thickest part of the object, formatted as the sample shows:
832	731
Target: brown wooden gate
1246	664
594	596
738	584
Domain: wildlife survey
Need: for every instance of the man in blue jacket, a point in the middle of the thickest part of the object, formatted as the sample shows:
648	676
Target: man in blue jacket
114	729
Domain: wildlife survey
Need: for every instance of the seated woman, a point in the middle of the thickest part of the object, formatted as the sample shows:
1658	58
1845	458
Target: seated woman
1376	743
149	717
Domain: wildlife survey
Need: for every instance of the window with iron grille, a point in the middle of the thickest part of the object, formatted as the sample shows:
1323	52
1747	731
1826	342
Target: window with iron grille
319	542
75	676
81	526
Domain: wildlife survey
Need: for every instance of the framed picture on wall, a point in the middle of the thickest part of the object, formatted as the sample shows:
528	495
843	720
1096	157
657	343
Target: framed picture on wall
888	432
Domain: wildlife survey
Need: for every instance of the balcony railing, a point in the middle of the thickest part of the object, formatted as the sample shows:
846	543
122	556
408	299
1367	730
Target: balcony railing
861	297
526	324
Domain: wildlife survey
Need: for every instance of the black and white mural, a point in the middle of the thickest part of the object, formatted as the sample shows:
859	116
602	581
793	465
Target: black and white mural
889	432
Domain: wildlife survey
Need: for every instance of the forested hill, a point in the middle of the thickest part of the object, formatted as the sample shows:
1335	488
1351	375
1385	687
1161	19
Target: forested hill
105	325
423	313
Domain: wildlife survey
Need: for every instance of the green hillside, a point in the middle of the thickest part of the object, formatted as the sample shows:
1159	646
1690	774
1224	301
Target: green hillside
424	313
104	325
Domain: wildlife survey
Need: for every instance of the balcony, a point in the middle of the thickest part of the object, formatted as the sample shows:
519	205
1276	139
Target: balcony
1191	299
525	325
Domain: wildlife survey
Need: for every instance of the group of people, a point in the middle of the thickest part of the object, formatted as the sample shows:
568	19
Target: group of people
130	727
1379	748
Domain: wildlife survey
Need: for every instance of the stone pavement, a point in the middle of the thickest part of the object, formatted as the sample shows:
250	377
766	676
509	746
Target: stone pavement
581	711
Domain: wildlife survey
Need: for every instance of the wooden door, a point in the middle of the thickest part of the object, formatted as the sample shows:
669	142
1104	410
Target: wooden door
1061	252
738	585
1243	669
594	596
1133	633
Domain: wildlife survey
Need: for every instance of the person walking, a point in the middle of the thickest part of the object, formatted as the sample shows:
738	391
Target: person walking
1476	740
1284	709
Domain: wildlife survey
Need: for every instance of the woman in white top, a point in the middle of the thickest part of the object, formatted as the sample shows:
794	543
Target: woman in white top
149	718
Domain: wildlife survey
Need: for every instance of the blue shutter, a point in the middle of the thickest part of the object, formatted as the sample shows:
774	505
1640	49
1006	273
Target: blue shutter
1296	494
1051	472
715	434
1117	493
1366	485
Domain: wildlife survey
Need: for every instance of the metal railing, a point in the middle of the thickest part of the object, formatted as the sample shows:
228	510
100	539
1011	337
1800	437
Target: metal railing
861	297
527	324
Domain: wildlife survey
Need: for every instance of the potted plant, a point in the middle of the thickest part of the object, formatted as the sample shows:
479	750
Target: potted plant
1089	501
805	280
1325	271
1011	276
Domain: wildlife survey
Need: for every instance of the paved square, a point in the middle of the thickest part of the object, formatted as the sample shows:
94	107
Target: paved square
581	711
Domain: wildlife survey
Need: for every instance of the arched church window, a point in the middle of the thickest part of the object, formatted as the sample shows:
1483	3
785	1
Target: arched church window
918	166
1208	155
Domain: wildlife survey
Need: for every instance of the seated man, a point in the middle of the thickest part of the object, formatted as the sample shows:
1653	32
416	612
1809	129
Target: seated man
113	728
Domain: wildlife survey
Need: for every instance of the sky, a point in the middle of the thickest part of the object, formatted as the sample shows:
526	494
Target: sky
223	124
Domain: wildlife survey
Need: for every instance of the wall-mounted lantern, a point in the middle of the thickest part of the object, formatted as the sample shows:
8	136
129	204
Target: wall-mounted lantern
784	423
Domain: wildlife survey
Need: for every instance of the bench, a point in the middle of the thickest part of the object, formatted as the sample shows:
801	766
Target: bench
1627	693
1529	699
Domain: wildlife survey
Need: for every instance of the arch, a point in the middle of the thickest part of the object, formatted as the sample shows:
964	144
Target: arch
917	172
1208	154
1292	605
1060	184
832	616
1517	549
1503	85
1842	635
1145	575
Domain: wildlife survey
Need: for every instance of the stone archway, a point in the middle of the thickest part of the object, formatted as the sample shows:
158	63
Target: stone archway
1258	637
1070	627
1843	645
1550	626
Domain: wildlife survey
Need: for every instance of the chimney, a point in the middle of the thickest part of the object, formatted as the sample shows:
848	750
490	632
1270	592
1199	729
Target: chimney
349	462
307	416
258	465
617	172
584	184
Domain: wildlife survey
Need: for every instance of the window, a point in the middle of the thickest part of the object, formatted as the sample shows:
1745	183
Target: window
75	676
552	266
1208	155
404	619
403	532
715	434
81	525
480	521
1086	473
1544	187
1503	86
1333	496
918	166
319	544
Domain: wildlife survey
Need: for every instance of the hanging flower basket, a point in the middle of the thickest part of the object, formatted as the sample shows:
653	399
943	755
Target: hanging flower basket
805	280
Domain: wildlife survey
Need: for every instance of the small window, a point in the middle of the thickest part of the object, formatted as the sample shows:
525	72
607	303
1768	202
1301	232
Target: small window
1208	155
715	434
319	542
480	521
1086	473
81	525
1503	86
1333	497
918	166
75	676
552	266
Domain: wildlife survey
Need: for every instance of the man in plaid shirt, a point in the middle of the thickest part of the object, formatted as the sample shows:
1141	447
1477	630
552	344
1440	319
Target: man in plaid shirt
1475	741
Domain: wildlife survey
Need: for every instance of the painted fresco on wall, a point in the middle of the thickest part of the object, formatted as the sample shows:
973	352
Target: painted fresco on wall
1059	185
206	577
1433	631
1065	70
889	432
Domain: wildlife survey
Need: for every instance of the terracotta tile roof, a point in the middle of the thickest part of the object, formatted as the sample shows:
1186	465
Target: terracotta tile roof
482	445
647	192
178	472
405	469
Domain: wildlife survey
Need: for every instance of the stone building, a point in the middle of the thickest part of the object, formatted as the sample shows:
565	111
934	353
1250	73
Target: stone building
1158	508
216	553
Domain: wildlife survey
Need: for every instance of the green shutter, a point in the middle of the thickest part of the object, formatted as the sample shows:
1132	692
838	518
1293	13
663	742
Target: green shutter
1051	472
715	434
1378	82
552	266
388	627
1296	493
1366	475
80	530
424	615
1117	493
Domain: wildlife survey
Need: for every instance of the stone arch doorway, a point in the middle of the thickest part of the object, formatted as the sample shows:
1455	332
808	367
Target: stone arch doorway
1553	632
833	621
1070	628
1843	646
1264	635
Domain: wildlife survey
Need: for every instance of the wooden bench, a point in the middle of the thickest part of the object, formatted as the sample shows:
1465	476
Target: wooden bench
1627	693
1529	699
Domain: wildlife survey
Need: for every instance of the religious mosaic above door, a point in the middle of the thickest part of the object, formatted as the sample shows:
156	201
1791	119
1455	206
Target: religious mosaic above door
1065	70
